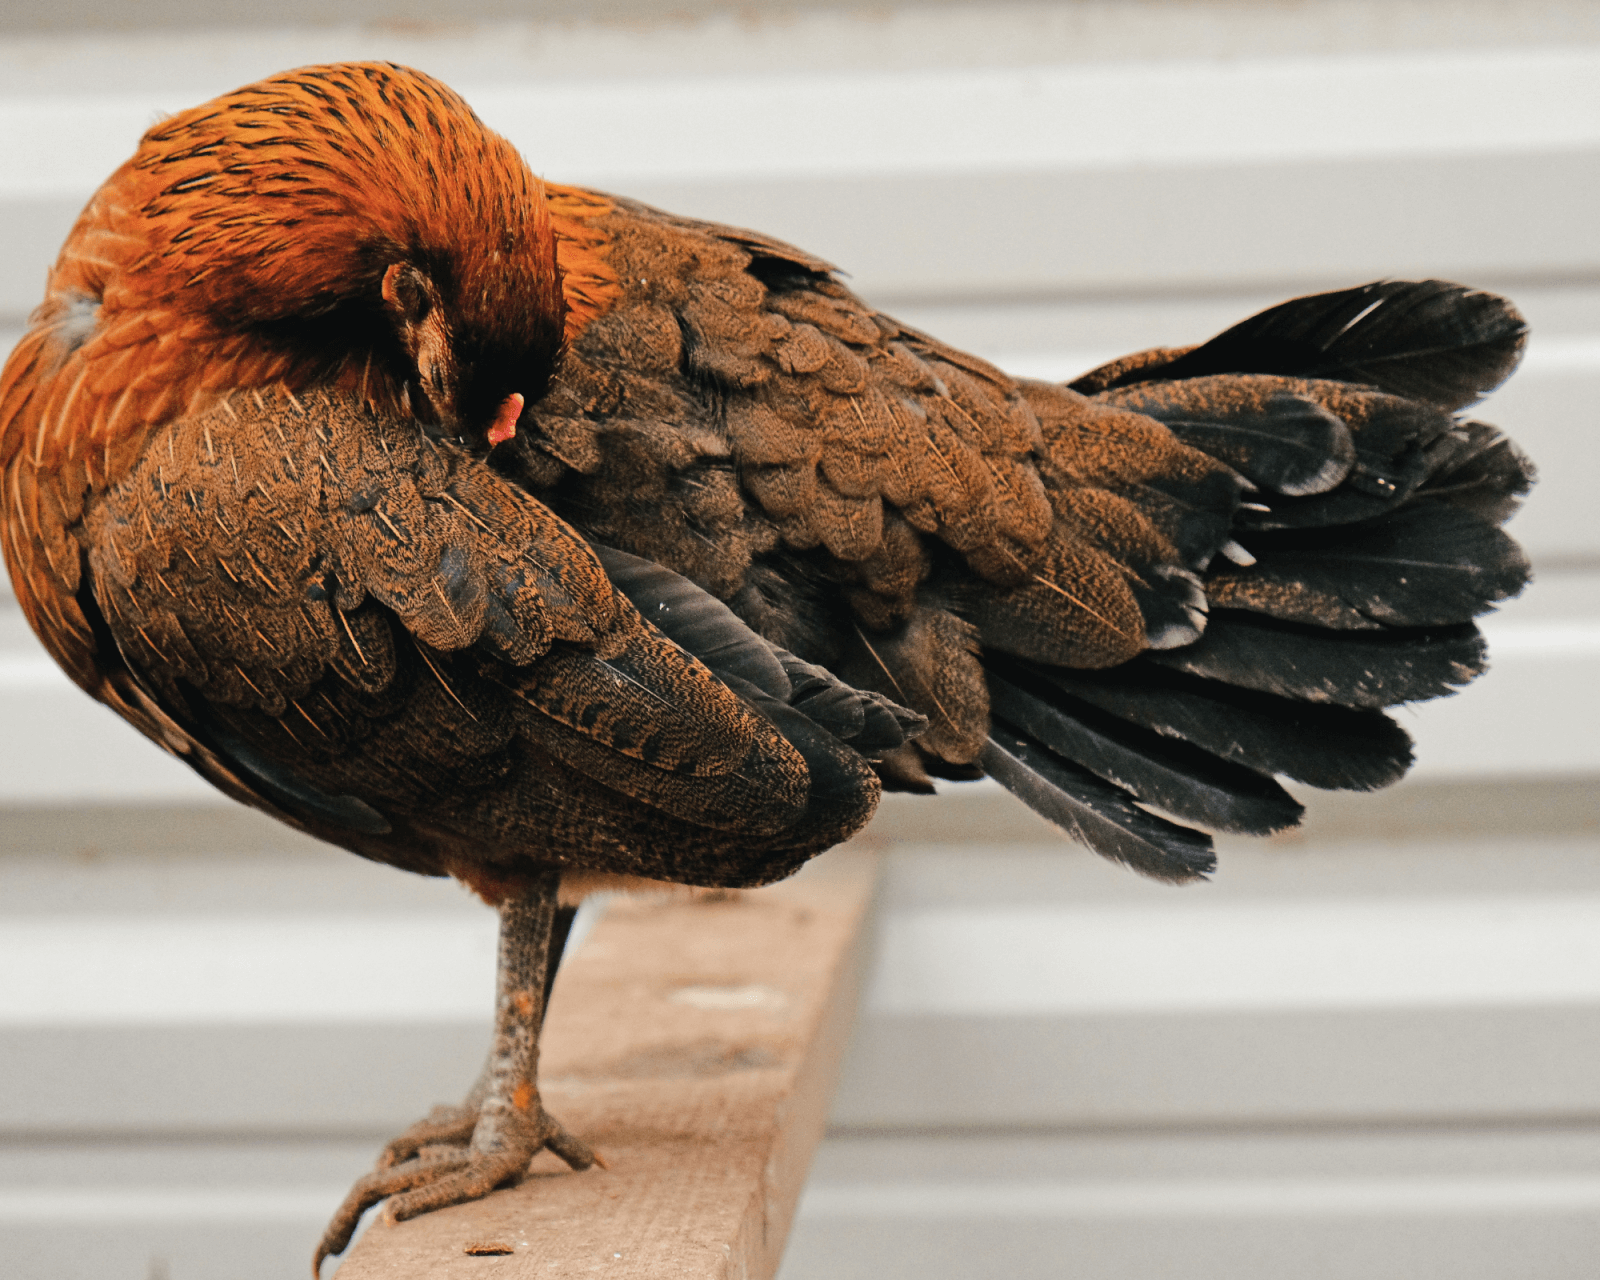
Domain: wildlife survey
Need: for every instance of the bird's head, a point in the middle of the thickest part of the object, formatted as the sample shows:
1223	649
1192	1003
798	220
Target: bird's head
357	215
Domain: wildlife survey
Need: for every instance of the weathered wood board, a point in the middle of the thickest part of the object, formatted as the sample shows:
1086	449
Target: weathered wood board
695	1044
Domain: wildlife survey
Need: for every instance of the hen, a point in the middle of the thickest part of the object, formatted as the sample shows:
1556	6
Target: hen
516	532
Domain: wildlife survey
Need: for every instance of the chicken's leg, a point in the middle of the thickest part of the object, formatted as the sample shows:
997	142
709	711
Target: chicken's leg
449	1125
463	1153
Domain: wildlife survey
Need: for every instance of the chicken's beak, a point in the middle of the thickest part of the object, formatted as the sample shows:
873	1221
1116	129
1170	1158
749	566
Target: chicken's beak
505	419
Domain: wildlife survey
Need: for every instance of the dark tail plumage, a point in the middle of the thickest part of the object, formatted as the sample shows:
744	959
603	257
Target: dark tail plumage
1348	581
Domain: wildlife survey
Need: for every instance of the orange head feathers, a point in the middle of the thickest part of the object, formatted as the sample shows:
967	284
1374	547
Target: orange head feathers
357	213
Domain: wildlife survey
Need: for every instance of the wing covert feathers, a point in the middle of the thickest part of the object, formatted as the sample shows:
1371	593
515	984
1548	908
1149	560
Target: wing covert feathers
697	622
389	644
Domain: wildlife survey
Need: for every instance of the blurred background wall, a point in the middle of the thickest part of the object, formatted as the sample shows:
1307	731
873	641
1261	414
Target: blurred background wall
1369	1051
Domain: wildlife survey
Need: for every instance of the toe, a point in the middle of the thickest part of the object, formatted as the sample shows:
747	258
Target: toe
379	1186
449	1126
473	1182
577	1154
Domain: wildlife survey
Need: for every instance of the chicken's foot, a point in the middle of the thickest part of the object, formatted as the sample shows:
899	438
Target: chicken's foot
463	1153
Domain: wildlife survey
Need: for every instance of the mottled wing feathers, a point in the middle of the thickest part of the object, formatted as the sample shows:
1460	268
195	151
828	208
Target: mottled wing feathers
344	609
290	513
729	351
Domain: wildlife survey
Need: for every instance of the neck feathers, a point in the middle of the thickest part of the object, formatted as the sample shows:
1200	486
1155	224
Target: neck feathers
273	212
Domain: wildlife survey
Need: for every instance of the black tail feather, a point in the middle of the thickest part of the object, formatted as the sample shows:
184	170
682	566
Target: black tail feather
1424	565
1430	340
1322	745
1353	572
1392	439
1100	815
1286	443
1477	469
1185	781
1350	668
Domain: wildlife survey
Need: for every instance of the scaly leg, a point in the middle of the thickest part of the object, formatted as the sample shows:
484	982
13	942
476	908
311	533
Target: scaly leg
452	1126
436	1163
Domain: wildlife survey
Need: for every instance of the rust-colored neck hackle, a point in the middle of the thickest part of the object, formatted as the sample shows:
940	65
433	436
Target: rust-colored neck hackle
278	211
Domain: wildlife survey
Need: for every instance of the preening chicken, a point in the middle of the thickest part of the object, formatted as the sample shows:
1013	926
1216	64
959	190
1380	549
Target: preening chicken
529	535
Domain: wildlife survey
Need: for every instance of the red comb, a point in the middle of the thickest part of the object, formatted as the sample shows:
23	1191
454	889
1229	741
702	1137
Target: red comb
505	421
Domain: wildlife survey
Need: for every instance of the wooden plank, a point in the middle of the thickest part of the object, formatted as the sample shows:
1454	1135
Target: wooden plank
695	1044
